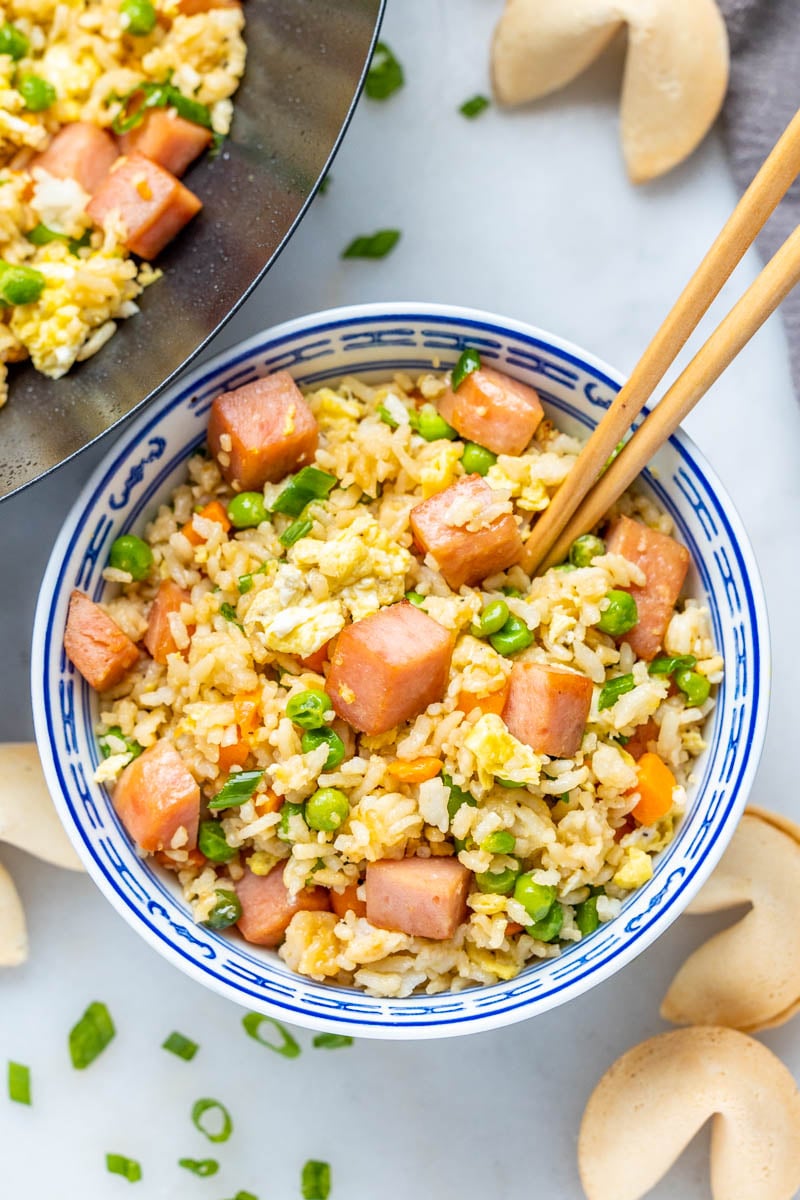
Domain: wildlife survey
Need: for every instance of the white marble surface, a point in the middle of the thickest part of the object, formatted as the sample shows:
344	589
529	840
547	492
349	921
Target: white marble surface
529	215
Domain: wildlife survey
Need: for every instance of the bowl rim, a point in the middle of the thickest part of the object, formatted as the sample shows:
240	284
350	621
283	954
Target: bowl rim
383	1026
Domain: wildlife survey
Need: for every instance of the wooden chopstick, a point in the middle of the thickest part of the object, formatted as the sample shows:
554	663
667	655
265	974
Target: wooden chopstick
766	191
770	288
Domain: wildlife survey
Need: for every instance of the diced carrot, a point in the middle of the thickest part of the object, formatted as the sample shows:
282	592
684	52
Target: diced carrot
213	511
513	928
235	755
347	901
655	787
247	712
417	770
158	639
495	702
269	802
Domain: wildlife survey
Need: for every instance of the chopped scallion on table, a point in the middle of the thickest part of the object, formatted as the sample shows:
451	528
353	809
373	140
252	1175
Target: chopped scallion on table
19	1083
385	74
204	1167
237	790
332	1041
474	106
181	1046
202	1109
128	1168
374	245
315	1180
91	1035
287	1046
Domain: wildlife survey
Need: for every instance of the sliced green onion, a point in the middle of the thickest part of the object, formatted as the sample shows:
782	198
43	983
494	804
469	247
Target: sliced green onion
373	245
613	689
237	790
668	665
91	1035
19	284
296	531
332	1041
289	810
132	747
245	583
227	611
387	417
199	1110
199	1166
468	362
308	484
148	94
211	842
287	1046
19	1083
474	106
128	1168
416	598
510	783
40	235
315	1180
181	1046
385	74
457	797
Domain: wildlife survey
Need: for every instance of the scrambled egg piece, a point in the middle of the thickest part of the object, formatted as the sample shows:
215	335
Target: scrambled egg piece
440	470
363	566
497	753
529	477
636	868
287	618
332	409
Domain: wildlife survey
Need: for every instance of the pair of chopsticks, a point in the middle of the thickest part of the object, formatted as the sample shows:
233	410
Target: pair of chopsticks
589	490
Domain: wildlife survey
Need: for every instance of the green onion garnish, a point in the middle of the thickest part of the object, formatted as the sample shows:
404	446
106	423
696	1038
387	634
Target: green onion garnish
416	598
19	1083
387	417
457	796
296	531
385	75
308	484
373	245
40	235
287	1046
468	362
128	1168
199	1166
474	106
332	1041
212	842
668	666
237	790
227	611
132	747
181	1046
613	689
245	583
91	1035
315	1180
147	94
199	1110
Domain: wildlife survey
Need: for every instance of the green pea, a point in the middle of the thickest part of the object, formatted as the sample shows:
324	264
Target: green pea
211	842
327	809
288	810
491	620
549	927
245	584
138	17
620	615
226	911
432	427
694	686
669	664
457	797
508	590
564	568
586	917
585	548
499	842
129	553
498	883
36	92
536	898
476	460
416	598
13	42
20	285
513	637
309	709
313	738
613	689
246	510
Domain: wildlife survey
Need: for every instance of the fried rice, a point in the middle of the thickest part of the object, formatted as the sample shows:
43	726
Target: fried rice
570	818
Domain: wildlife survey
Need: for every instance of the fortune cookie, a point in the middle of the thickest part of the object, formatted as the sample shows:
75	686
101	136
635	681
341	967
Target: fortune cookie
649	1105
676	67
28	821
748	976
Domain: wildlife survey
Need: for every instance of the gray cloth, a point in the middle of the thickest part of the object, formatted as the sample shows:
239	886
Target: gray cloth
763	97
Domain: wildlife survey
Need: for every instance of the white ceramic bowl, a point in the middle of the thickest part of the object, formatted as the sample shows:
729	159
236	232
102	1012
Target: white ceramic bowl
140	471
